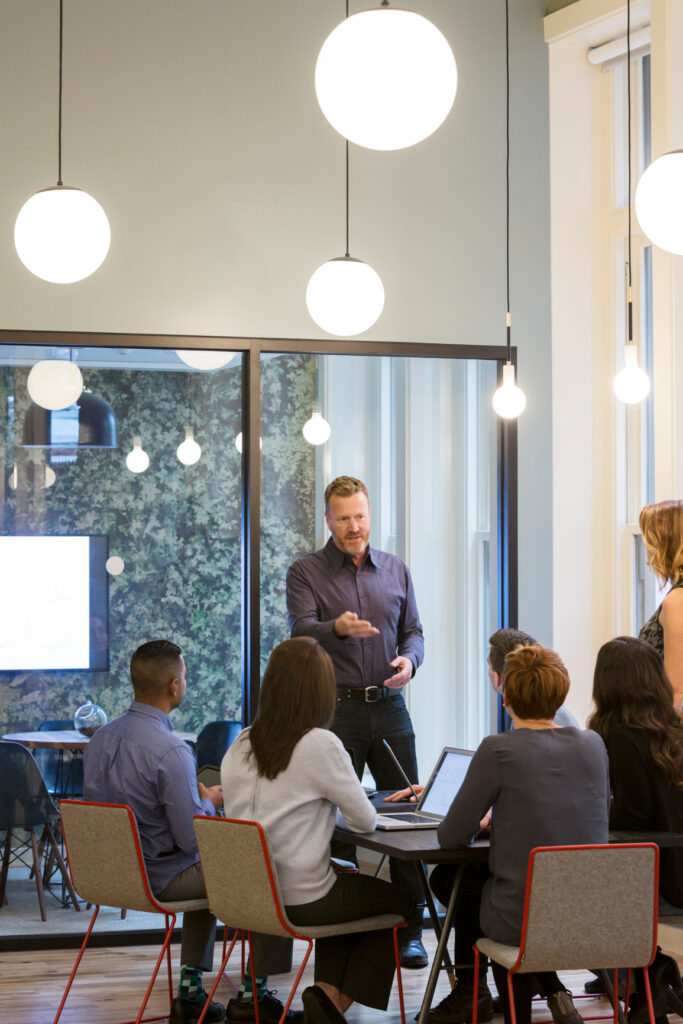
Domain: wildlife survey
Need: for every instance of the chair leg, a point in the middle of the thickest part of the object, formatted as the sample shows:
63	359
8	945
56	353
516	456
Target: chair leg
399	978
5	866
219	975
61	865
75	967
39	877
476	985
164	948
170	972
648	994
511	998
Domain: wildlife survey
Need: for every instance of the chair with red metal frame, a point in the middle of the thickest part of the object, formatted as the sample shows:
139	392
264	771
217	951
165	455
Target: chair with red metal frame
107	868
242	888
584	905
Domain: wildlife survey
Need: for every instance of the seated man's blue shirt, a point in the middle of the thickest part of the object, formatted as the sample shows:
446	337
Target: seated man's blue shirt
136	759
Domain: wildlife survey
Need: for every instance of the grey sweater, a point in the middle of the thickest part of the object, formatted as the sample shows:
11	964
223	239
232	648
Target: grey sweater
298	809
547	787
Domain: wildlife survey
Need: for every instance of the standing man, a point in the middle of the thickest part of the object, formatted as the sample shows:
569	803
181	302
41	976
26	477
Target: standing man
359	604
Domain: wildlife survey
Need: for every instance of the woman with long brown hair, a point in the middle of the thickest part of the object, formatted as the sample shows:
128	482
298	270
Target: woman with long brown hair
291	773
643	733
662	528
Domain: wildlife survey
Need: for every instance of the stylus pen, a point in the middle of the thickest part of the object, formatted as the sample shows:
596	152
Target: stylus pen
398	765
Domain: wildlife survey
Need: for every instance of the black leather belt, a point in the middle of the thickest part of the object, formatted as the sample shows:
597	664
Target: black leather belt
365	694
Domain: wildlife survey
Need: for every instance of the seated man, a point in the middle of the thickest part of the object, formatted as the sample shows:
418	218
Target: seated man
500	644
137	760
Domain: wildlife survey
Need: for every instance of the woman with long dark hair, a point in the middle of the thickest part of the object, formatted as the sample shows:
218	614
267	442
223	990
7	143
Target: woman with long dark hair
291	774
662	528
643	732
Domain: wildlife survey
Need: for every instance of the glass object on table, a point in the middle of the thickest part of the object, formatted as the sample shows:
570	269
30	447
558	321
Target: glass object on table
89	718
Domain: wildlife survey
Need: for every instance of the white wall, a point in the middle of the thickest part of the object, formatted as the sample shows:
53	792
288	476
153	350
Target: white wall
196	127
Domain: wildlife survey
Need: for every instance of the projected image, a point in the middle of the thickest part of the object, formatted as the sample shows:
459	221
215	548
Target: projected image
46	616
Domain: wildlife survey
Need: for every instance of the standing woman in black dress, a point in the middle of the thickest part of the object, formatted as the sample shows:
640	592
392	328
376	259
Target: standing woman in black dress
662	529
643	733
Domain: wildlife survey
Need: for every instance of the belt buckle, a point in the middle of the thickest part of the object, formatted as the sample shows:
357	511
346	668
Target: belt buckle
371	699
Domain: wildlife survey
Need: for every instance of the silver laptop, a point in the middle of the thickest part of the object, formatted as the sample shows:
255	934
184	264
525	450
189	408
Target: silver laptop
444	783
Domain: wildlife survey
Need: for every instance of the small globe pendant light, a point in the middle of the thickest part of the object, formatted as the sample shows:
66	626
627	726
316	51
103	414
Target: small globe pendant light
631	385
386	78
189	451
659	202
316	430
62	234
509	400
137	460
345	296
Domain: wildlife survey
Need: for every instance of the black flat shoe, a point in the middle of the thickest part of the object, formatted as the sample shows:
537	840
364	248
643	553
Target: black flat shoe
188	1011
319	1008
413	955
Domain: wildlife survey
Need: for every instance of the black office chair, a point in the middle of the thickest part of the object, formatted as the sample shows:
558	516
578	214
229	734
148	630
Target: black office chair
214	740
62	770
25	804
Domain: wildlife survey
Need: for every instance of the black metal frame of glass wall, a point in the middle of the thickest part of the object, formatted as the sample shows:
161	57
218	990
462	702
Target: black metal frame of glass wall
253	348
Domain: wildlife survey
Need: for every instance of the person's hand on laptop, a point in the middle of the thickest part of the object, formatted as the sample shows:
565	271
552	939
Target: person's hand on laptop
404	794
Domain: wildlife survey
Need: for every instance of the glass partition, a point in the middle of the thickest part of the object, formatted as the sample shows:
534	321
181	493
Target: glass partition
421	434
164	554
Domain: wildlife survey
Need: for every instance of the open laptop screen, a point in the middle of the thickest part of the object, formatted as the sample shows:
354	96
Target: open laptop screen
445	781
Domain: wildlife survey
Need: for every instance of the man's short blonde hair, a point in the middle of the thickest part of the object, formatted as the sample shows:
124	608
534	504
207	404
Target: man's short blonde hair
344	487
535	681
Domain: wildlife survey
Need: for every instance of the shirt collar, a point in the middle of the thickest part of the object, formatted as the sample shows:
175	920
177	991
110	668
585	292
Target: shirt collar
146	709
338	559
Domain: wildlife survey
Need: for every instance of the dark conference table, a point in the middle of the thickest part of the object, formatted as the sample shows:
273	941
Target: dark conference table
421	846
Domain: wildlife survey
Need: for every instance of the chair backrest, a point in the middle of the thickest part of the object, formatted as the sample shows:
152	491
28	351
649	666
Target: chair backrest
213	741
105	856
24	799
592	905
239	875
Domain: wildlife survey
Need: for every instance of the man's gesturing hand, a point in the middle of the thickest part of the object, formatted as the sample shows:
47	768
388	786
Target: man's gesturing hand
348	624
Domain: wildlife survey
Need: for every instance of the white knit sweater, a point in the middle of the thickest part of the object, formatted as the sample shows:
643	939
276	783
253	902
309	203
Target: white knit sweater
298	809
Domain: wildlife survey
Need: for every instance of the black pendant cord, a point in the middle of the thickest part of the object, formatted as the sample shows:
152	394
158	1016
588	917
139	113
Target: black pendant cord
507	170
347	198
628	135
59	129
347	173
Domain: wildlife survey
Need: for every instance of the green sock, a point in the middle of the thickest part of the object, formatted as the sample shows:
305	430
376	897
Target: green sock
246	992
190	986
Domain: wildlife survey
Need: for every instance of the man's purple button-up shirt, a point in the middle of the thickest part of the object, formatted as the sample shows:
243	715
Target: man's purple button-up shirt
321	586
136	759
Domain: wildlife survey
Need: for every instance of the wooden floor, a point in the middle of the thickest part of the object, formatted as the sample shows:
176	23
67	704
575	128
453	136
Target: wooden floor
111	982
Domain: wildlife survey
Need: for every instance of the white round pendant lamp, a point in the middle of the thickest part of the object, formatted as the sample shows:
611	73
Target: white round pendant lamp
386	78
659	202
345	296
62	234
204	359
55	383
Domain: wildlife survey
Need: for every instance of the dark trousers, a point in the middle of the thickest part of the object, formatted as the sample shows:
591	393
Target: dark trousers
361	965
272	954
468	930
361	728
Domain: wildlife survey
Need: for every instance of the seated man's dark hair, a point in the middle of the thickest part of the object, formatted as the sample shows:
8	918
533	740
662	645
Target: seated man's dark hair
502	642
154	665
